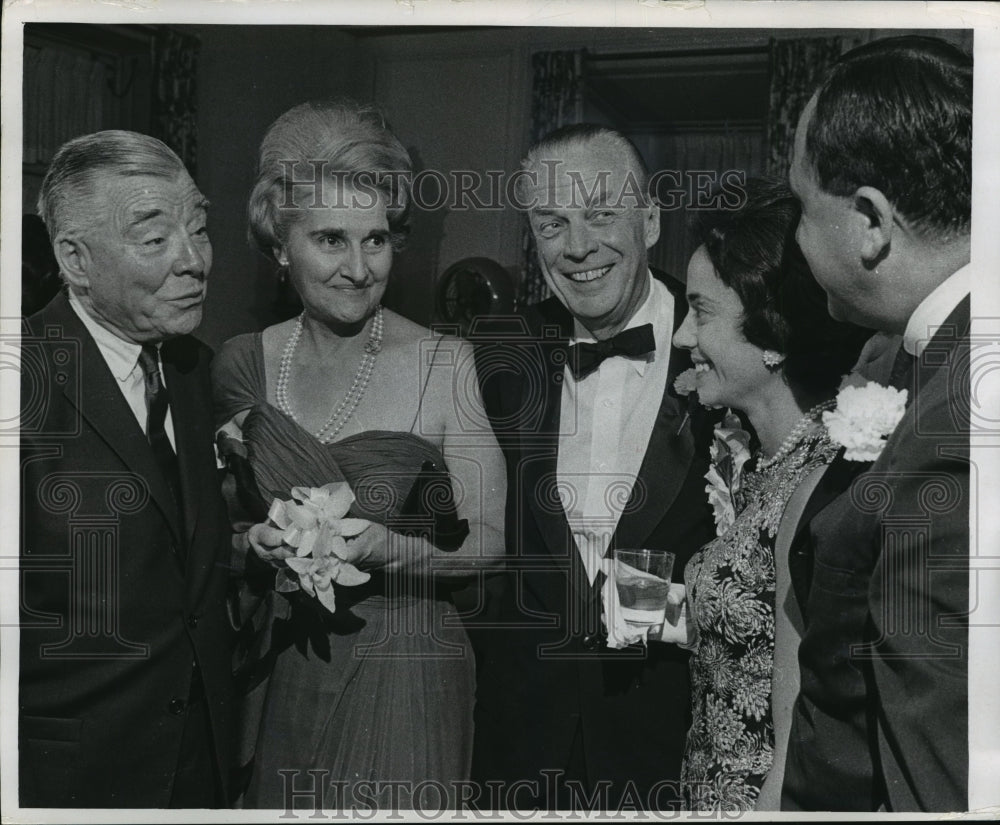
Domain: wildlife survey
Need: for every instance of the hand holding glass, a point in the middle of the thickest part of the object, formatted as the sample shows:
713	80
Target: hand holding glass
642	578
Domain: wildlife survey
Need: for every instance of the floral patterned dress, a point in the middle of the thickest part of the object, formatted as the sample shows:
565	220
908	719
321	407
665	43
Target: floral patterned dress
731	586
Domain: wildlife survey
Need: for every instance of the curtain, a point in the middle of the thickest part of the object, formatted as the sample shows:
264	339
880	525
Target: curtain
73	89
556	100
700	159
65	96
174	94
797	66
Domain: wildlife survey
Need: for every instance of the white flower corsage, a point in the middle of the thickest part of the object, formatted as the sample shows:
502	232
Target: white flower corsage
864	418
314	524
730	450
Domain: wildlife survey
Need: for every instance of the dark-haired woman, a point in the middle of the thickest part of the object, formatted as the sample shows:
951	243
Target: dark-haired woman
762	343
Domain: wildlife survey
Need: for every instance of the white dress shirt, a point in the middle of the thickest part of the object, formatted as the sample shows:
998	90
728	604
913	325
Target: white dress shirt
122	358
605	422
934	310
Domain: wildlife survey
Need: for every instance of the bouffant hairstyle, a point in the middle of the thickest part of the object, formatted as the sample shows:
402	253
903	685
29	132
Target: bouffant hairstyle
754	252
896	114
311	152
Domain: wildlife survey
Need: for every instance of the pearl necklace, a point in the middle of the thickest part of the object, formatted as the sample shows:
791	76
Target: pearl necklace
345	409
793	438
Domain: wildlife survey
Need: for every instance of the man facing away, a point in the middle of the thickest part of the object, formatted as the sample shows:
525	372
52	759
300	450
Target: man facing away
125	655
883	167
600	455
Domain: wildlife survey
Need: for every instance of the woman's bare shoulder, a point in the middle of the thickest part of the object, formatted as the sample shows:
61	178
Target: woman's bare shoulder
437	350
401	331
273	338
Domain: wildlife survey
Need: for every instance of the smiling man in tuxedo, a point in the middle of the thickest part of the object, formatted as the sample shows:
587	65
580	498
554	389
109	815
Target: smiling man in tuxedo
600	455
125	543
883	168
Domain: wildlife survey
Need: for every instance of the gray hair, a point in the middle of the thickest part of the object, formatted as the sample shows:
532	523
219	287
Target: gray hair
579	135
69	184
322	141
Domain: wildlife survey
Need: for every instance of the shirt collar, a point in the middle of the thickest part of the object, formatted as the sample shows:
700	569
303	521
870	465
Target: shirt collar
934	310
121	355
649	312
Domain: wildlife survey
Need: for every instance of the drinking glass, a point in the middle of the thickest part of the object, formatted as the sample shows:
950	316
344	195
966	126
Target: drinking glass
643	581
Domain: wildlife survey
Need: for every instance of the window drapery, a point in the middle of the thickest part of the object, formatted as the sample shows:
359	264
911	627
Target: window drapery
797	66
174	94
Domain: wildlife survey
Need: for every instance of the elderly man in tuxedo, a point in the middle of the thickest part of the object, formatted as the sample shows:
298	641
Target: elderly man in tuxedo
883	167
601	454
124	663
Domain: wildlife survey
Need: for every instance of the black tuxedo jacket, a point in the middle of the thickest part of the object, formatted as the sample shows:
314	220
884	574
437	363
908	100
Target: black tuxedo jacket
118	599
880	568
545	674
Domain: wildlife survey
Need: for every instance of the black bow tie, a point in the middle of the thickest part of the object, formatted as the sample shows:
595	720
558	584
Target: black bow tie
631	343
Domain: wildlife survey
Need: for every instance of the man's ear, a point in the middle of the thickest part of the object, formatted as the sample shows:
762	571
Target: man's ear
877	228
651	225
74	260
279	255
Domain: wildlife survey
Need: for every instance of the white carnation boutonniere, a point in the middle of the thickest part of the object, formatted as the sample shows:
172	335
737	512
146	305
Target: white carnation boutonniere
315	526
730	450
864	418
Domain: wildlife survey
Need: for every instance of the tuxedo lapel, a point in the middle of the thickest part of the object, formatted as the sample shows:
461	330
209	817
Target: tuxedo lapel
661	476
539	449
102	405
668	455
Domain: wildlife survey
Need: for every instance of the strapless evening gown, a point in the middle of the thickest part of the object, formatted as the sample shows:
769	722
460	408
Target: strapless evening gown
382	690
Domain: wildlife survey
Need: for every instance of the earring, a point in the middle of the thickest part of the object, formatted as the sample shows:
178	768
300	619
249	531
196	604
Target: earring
771	358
